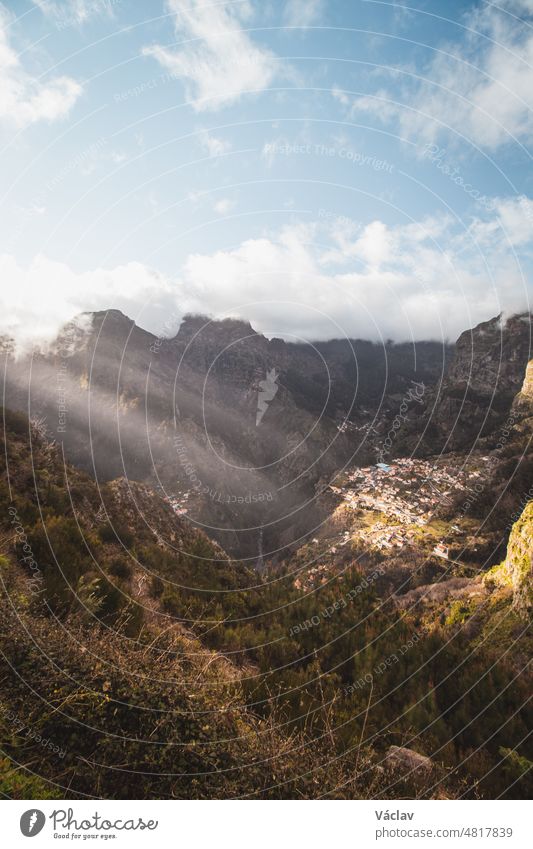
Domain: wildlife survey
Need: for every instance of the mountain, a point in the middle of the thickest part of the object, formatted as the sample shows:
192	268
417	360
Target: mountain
364	633
182	415
475	393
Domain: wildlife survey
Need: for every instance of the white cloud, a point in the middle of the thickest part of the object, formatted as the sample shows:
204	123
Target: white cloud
302	13
516	217
481	88
24	99
316	280
511	227
422	279
75	12
36	301
518	6
223	206
214	146
217	59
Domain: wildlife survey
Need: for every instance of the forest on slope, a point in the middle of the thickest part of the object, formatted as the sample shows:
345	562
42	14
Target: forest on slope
158	667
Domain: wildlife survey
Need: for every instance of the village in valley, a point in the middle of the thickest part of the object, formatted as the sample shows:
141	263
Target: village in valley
385	508
390	508
397	502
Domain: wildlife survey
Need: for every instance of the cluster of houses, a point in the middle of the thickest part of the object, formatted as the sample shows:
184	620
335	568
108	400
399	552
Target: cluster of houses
407	489
383	537
407	493
350	427
311	577
177	504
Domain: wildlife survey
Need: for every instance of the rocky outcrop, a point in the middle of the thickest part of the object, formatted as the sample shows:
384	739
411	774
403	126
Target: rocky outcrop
519	561
442	592
409	761
477	392
524	400
527	386
493	354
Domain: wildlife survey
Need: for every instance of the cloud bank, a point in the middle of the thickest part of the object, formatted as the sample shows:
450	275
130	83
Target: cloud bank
312	281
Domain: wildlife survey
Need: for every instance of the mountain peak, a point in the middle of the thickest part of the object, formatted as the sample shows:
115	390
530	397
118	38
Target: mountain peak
110	315
206	329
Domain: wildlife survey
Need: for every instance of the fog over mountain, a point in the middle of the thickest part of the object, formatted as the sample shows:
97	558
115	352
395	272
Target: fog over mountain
328	279
182	412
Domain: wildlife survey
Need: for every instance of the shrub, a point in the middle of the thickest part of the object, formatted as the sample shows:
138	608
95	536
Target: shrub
115	532
119	566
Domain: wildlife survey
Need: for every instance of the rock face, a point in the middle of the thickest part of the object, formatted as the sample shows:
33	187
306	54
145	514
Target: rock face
442	592
476	392
524	399
519	561
527	386
493	353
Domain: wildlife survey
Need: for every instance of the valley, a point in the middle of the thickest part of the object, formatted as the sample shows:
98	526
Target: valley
280	608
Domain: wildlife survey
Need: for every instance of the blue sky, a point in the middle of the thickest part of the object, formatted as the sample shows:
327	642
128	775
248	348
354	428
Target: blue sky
319	168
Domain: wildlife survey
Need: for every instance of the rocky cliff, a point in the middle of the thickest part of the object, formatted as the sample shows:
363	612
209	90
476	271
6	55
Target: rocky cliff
476	392
518	565
524	399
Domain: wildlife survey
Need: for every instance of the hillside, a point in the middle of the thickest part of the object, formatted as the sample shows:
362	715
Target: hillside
129	703
152	665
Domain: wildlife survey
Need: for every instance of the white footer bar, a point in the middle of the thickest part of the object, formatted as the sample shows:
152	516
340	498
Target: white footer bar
268	825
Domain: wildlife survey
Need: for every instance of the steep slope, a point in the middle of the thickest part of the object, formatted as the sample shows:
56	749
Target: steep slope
516	570
151	665
105	691
476	393
182	413
519	560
